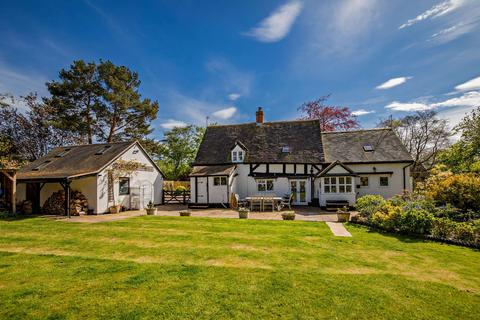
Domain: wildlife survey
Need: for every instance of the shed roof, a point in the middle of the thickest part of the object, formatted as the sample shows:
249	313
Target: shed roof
221	170
264	142
74	161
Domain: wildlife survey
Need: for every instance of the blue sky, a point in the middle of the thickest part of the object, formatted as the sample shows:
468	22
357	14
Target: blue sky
223	59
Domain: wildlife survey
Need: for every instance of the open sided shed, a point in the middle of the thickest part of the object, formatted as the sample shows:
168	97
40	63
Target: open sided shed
85	168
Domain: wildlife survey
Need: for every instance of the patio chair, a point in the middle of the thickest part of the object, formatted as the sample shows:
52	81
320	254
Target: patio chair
286	202
240	202
256	203
268	202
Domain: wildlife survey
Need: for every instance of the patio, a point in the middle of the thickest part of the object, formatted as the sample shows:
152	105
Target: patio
302	214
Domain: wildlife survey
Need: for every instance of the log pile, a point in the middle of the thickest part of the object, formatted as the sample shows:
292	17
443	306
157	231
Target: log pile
56	203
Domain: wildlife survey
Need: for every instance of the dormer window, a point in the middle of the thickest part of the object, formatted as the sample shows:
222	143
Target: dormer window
238	152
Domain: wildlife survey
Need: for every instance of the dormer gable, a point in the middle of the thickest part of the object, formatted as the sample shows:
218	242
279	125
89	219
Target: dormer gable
238	152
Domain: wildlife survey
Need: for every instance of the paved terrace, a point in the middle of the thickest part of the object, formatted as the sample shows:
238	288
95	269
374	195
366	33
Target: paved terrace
302	213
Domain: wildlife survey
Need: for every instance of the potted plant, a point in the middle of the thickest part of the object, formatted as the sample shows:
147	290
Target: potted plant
115	208
288	215
243	212
185	213
343	215
151	210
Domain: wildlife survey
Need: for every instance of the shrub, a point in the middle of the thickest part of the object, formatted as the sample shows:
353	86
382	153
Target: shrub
414	220
460	190
443	228
180	189
369	204
464	232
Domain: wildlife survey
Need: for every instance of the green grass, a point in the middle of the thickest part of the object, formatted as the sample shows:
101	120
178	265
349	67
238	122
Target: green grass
194	268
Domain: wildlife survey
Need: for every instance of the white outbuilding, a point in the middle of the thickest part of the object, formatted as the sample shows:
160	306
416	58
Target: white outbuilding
108	174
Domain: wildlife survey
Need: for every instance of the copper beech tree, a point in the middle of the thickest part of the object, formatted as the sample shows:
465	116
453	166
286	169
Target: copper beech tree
332	118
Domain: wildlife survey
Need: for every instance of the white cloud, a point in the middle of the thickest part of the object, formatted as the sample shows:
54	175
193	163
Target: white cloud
453	32
468	99
393	83
234	96
276	26
226	113
434	12
362	112
473	84
170	124
412	106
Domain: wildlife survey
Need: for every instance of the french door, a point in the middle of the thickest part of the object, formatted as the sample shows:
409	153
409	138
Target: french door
298	188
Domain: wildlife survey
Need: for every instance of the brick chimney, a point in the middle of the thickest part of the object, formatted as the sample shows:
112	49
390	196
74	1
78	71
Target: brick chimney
259	116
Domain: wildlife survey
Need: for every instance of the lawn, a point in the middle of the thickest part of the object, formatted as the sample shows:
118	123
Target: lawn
201	268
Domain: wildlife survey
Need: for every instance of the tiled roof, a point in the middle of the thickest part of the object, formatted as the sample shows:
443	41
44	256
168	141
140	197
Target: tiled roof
264	142
71	161
348	146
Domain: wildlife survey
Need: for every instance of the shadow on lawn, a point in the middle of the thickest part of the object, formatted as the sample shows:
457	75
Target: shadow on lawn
19	217
414	238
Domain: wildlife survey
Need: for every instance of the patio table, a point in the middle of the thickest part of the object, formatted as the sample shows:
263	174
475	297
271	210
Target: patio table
276	200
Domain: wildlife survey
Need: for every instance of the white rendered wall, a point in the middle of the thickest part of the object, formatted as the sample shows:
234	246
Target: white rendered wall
153	178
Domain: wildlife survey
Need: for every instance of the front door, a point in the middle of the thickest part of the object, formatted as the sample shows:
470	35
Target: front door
202	190
298	188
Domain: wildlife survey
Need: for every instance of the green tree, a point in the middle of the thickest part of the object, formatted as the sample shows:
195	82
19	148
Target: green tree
76	99
29	135
464	155
124	115
100	102
178	151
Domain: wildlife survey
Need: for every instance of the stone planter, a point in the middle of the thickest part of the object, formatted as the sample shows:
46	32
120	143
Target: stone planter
185	213
115	209
343	216
151	211
243	214
288	215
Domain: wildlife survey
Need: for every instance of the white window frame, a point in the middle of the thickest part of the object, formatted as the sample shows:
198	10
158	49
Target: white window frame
336	184
240	156
234	156
266	183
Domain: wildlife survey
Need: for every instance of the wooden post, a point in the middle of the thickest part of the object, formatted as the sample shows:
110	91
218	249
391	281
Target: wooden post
14	193
66	188
13	179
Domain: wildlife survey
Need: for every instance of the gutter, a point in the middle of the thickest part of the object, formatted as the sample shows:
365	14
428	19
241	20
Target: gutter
403	170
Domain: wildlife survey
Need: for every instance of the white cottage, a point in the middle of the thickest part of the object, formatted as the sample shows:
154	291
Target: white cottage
296	157
86	168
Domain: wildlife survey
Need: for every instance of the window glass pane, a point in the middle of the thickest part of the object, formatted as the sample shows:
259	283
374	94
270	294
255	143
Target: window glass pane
223	181
383	181
364	181
349	180
327	189
124	186
334	189
270	185
216	181
261	186
327	180
341	189
240	155
348	188
341	180
234	156
333	180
